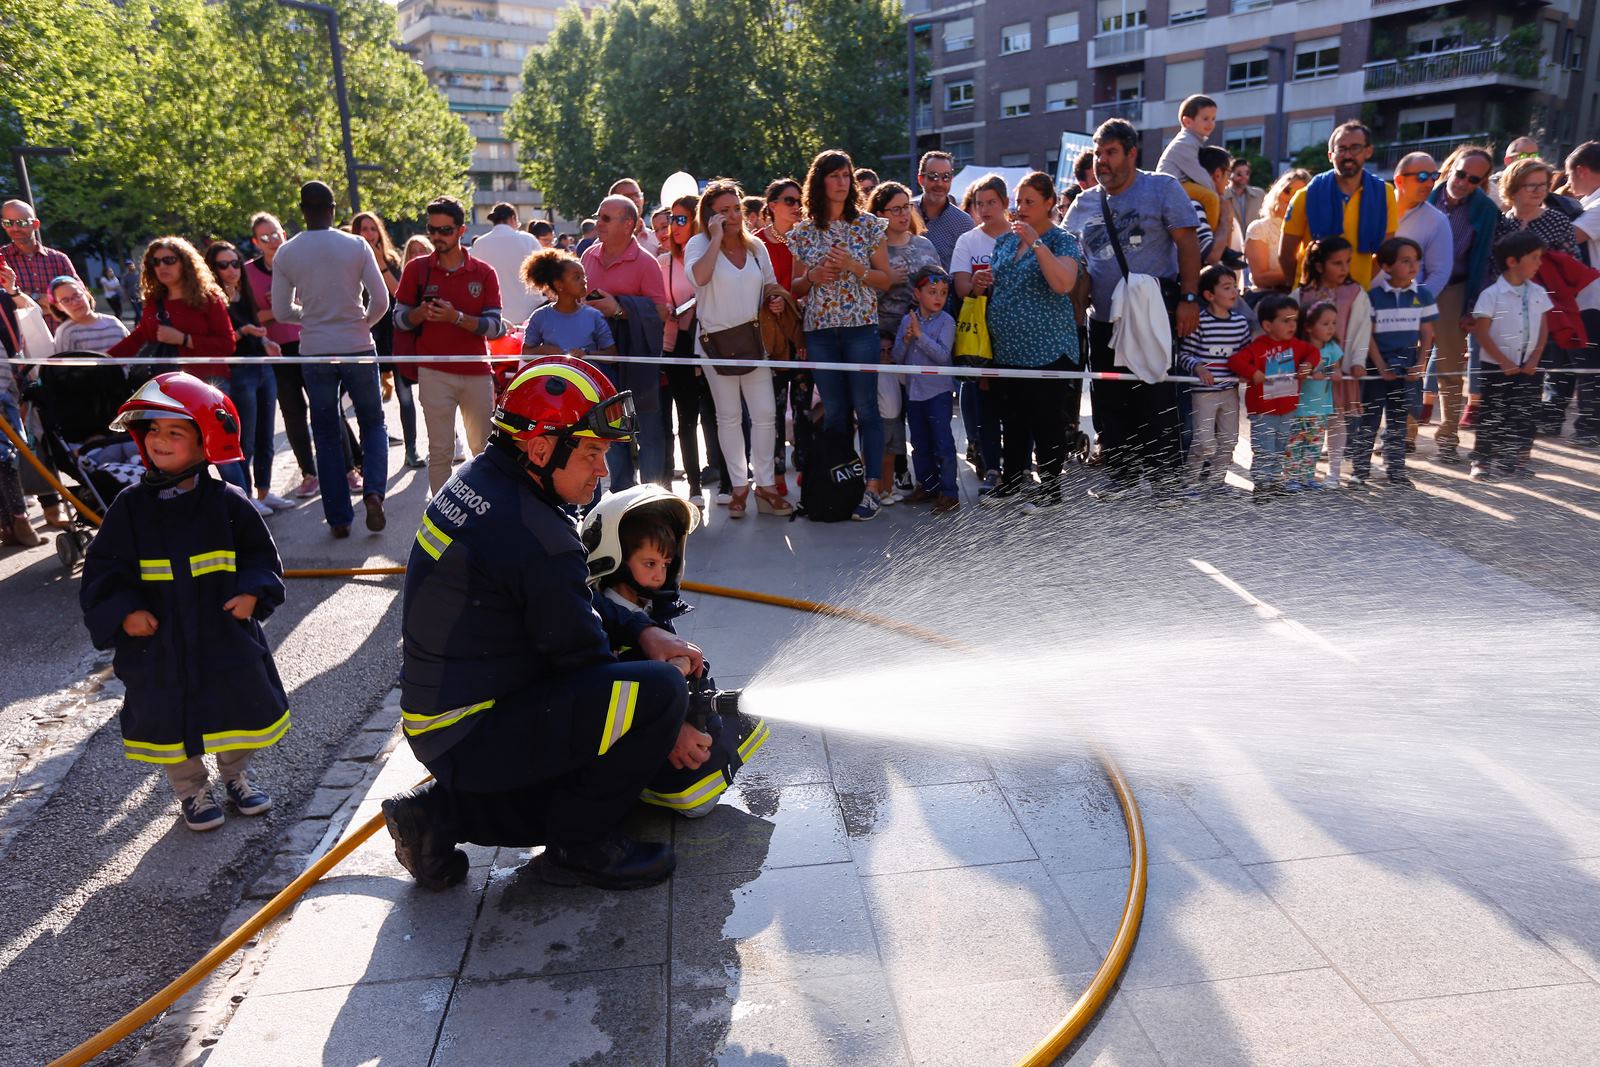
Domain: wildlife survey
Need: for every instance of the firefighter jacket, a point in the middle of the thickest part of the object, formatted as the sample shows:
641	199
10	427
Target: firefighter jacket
205	681
496	602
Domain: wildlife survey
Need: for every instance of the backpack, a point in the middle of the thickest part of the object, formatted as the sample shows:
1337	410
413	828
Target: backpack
834	478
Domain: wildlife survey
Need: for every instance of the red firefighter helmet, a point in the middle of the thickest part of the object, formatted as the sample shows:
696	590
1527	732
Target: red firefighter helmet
564	396
177	395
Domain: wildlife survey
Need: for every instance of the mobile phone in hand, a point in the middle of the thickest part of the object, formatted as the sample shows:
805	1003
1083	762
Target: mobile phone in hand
595	294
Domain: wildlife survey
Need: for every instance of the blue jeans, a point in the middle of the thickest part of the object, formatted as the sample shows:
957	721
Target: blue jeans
650	437
933	445
846	392
981	420
254	391
1386	402
1269	443
360	382
232	473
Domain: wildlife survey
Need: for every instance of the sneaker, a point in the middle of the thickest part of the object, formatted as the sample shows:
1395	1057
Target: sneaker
615	863
945	505
1401	480
1043	503
277	503
261	508
1480	472
867	509
308	487
1359	481
250	799
724	498
460	453
698	500
889	499
1002	491
991	482
1322	484
902	481
375	516
1294	487
201	813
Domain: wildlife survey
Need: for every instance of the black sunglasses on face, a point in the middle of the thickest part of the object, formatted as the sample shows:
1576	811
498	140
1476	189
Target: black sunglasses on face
1472	179
227	264
164	261
442	231
792	201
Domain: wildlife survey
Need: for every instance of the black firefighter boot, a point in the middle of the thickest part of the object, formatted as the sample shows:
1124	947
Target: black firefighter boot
615	862
419	820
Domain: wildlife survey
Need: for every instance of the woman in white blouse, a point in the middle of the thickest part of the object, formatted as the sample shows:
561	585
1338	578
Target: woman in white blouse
731	271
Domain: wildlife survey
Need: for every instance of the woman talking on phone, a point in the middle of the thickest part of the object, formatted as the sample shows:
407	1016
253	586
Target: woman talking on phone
842	264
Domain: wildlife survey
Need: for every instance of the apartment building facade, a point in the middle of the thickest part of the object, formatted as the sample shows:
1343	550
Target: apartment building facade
472	51
1002	79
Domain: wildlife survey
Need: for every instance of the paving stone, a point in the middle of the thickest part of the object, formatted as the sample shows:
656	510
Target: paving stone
364	745
1280	1020
1024	770
1202	921
528	928
1399	931
997	1023
324	802
607	1017
793	755
392	1024
846	1019
303	836
865	766
1260	821
969	924
1557	901
1505	1028
345	774
368	929
932	826
741	929
756	827
285	868
1079	827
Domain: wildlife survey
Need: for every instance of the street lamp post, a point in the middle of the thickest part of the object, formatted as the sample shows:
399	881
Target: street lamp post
913	24
350	166
19	159
1283	75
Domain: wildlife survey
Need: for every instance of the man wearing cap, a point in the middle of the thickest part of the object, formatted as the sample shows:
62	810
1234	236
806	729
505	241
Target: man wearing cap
317	281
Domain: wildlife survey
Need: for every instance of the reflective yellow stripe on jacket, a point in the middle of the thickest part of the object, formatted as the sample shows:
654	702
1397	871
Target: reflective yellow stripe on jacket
421	724
619	715
147	752
432	539
155	570
231	740
708	788
211	562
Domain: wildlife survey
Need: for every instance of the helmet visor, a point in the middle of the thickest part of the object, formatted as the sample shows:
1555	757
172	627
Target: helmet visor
610	420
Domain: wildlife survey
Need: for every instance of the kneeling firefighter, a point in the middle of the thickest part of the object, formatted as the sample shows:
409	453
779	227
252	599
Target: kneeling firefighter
638	541
510	694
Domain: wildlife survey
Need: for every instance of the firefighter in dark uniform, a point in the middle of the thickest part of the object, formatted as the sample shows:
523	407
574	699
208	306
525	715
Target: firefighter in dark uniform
510	694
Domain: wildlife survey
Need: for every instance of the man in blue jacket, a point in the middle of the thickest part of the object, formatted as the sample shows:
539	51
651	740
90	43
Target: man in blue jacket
510	694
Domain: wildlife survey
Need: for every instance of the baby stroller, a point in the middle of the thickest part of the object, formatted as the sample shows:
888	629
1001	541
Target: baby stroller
75	406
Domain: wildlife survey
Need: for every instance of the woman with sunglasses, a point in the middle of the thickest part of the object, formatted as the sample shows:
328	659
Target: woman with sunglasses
183	307
909	252
252	387
790	388
1462	194
684	383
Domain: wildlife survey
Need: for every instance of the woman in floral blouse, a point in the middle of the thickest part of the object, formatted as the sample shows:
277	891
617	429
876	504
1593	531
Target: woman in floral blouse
845	263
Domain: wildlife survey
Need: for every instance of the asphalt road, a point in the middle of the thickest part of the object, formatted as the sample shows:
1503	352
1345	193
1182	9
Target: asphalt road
107	896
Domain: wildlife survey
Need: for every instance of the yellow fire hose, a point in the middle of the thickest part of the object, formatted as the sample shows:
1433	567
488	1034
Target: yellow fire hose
1046	1052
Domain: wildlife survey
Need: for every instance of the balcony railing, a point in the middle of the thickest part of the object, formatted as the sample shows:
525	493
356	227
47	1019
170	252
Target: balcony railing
1117	45
1388	156
1132	110
1474	61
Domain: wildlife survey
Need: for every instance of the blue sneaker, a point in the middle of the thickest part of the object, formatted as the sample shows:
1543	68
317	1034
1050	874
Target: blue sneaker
201	813
867	509
1294	487
248	798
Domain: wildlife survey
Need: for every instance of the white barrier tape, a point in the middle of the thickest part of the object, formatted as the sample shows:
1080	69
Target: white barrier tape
691	361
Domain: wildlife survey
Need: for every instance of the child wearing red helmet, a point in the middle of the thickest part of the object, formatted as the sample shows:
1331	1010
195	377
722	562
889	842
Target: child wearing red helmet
177	582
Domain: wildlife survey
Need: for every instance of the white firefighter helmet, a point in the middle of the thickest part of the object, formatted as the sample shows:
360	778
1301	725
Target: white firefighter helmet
602	527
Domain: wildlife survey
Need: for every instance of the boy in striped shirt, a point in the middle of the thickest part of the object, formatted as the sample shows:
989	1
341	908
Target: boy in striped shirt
1214	403
1403	314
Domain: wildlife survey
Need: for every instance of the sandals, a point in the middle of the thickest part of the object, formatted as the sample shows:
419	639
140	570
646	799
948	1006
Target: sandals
771	502
737	502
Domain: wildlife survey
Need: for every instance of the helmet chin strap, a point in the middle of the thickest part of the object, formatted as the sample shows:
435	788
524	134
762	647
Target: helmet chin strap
540	473
159	479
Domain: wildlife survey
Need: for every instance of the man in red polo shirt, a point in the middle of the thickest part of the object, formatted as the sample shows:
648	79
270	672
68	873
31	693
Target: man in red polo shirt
451	301
618	266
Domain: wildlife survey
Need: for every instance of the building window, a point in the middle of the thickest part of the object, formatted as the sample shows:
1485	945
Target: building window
961	153
1014	159
1241	6
1015	103
1061	29
1575	50
958	35
1017	37
1059	96
1119	15
1185	11
1316	59
1247	70
1425	123
958	94
1306	132
1185	78
1245	141
1052	161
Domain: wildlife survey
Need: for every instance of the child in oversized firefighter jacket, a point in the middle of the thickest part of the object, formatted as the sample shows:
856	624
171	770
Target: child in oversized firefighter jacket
636	541
177	582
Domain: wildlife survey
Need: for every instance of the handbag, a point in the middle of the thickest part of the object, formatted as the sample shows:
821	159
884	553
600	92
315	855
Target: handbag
971	348
736	342
1171	290
154	357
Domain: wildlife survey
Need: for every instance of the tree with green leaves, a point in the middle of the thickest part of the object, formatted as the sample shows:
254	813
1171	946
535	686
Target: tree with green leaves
746	88
185	116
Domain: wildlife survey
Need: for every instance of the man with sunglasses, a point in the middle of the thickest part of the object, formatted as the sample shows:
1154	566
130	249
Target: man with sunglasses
451	302
34	264
1414	179
534	732
1520	148
945	220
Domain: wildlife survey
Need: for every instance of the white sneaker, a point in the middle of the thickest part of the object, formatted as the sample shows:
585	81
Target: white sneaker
277	503
460	455
889	499
724	498
261	508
